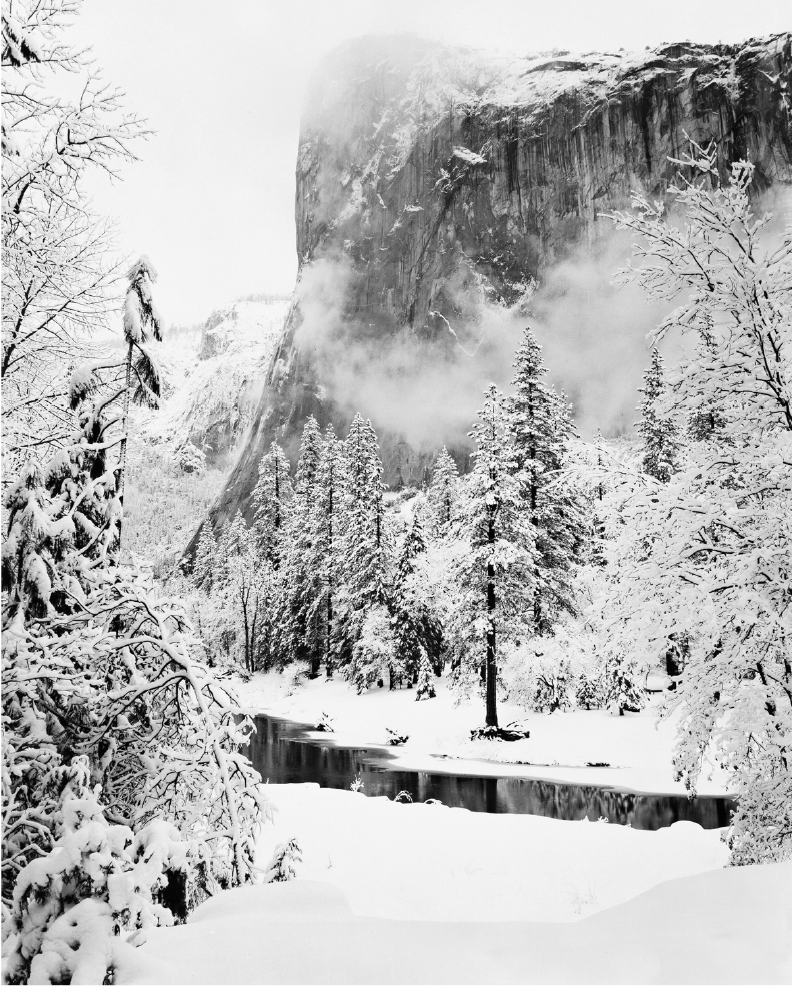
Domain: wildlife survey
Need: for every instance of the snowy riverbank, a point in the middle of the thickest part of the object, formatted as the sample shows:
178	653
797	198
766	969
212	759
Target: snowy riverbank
393	893
560	746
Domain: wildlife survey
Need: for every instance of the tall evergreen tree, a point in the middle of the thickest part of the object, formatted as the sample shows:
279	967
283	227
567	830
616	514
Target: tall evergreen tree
300	633
367	545
417	628
658	432
541	427
367	540
331	485
205	559
141	323
495	575
443	491
272	497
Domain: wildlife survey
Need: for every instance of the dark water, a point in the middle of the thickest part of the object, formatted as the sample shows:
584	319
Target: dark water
282	753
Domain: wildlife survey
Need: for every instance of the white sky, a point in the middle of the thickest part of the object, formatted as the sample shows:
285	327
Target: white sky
222	84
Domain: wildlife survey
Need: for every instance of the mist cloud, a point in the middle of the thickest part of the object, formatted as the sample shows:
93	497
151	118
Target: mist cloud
427	389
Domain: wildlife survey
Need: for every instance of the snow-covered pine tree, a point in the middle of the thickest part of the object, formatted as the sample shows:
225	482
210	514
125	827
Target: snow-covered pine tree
367	541
300	623
272	496
495	574
619	687
443	491
658	431
329	532
205	567
541	426
589	692
375	655
141	323
426	679
416	626
73	908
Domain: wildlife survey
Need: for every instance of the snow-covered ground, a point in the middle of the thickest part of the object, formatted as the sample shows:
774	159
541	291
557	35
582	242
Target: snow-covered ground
637	747
389	893
431	862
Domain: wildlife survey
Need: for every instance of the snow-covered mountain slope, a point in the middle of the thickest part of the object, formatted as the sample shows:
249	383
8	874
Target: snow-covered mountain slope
179	455
214	378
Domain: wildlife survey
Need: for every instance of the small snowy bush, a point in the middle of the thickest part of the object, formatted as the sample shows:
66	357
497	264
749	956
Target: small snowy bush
73	909
281	869
551	692
589	692
622	691
375	656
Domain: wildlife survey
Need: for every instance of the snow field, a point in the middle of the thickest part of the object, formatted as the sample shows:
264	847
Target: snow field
638	747
419	894
432	862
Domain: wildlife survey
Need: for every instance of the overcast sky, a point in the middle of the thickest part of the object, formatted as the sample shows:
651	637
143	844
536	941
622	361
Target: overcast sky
222	83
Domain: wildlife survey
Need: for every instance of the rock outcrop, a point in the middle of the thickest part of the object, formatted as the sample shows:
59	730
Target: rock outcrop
216	380
435	185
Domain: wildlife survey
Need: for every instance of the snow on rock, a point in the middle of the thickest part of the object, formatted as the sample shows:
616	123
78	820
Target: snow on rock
464	154
217	381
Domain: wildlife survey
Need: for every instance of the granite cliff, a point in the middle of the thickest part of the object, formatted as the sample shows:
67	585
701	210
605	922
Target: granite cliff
435	188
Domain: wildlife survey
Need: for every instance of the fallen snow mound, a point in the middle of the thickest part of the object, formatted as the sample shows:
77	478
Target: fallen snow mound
730	926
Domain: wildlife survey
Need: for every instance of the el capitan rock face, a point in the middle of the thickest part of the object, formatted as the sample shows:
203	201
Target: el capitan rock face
434	183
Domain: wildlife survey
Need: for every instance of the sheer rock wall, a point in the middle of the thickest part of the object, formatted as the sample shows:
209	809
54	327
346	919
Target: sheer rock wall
435	179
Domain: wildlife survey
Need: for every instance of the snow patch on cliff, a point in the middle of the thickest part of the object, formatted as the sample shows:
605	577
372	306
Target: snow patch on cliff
217	379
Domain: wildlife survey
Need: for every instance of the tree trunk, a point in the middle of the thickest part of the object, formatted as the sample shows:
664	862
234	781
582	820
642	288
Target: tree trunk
328	649
120	479
491	717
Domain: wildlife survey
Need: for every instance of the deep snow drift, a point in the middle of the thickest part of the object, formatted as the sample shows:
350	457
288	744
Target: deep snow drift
396	894
637	747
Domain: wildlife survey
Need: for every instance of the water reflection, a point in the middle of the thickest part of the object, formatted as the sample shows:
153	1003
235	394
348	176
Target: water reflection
283	754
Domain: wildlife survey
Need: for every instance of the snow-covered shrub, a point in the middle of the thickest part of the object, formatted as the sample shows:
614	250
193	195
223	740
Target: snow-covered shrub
281	869
538	673
552	691
426	680
589	692
375	657
620	686
73	909
97	664
118	679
